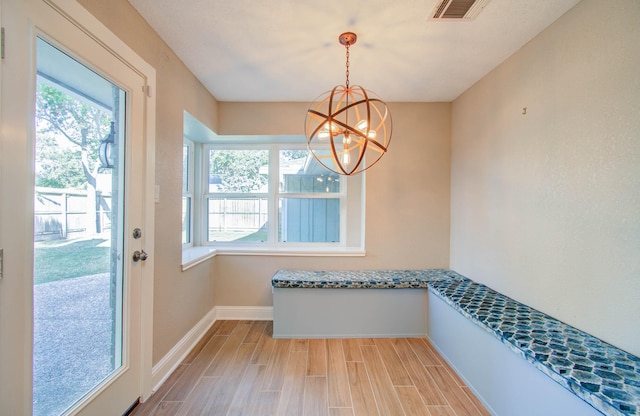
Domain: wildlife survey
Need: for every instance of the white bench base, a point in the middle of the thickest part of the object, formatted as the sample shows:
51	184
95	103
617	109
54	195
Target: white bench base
349	313
503	381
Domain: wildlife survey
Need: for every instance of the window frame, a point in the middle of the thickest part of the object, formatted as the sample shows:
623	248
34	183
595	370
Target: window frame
352	212
273	197
190	192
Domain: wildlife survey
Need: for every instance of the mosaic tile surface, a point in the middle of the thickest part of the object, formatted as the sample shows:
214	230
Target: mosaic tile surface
361	279
604	376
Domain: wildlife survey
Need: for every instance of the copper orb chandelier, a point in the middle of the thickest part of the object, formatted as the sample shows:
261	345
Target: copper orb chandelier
348	128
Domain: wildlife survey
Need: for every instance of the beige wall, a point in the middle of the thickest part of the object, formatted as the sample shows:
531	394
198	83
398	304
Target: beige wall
546	206
407	199
407	215
180	299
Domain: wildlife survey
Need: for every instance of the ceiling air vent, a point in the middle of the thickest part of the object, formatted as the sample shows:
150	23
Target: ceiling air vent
458	9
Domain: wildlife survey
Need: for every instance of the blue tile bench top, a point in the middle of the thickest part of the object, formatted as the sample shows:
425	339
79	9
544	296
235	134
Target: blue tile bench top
360	279
604	376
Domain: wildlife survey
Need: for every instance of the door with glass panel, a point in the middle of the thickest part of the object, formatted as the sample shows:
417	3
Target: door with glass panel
82	162
79	207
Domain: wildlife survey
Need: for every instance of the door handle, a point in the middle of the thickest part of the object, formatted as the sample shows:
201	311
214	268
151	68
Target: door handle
140	255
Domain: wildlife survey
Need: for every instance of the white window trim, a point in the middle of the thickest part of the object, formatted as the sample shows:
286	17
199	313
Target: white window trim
202	250
191	190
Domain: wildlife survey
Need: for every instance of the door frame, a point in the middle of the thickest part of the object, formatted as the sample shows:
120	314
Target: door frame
16	288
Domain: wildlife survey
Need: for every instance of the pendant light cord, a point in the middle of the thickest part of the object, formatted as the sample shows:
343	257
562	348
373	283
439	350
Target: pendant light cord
347	71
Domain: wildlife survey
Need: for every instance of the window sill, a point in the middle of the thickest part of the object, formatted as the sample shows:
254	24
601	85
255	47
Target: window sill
291	251
193	256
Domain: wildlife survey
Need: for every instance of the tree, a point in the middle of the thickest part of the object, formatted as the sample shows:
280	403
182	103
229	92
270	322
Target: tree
238	170
73	162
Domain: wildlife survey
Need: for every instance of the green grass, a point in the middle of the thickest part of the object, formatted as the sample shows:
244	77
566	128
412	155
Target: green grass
238	236
64	259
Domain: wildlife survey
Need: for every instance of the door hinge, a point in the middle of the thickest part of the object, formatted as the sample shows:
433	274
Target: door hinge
1	43
147	90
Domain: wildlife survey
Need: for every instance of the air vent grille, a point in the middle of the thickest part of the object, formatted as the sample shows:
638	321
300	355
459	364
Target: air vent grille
458	9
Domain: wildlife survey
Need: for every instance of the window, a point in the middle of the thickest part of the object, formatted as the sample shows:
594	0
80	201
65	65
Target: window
187	192
237	197
275	195
264	195
309	200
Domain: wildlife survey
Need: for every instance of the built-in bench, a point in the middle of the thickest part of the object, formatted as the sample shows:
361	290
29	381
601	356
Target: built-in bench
476	329
602	375
387	303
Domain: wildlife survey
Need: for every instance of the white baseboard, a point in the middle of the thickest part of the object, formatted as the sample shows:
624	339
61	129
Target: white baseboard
253	313
163	369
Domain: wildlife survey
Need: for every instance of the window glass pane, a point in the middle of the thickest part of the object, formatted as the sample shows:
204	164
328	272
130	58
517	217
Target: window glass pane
238	171
301	173
185	169
309	220
237	219
186	220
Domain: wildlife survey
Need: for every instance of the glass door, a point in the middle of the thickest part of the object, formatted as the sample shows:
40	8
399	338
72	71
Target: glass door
78	230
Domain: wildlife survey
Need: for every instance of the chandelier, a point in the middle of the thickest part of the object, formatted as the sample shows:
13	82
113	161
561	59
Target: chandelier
348	128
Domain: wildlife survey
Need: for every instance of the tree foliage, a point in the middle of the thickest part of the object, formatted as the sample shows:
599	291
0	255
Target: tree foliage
238	170
245	171
73	162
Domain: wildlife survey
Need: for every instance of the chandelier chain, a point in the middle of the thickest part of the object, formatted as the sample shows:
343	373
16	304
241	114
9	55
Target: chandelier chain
347	71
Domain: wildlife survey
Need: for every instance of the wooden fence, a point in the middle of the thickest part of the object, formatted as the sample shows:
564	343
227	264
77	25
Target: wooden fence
63	213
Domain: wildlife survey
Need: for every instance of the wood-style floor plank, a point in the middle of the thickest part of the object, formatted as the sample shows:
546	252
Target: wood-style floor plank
411	401
168	408
364	402
239	369
154	401
386	397
183	386
424	351
315	396
274	377
427	387
223	393
203	341
340	411
300	345
337	376
265	404
351	347
456	397
441	411
197	401
248	390
255	332
265	346
393	363
481	409
317	364
223	358
292	396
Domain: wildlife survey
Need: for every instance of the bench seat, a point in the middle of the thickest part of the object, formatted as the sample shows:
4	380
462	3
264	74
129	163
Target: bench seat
360	279
352	304
601	374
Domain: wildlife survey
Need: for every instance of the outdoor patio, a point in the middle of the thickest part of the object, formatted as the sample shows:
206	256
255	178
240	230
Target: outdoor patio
72	338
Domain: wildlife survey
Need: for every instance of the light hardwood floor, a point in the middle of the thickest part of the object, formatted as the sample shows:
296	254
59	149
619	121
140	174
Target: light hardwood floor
239	369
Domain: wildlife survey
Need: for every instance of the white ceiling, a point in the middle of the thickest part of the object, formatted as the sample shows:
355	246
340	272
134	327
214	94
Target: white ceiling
288	50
